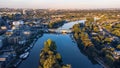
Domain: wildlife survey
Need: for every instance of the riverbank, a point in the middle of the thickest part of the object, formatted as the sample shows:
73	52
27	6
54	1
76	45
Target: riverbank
101	62
97	59
26	48
85	44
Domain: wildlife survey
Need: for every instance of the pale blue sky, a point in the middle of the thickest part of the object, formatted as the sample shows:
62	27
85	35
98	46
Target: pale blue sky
60	4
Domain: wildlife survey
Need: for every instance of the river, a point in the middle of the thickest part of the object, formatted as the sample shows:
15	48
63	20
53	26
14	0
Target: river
68	49
70	24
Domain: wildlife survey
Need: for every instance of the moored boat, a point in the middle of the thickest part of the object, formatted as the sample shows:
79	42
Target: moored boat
24	55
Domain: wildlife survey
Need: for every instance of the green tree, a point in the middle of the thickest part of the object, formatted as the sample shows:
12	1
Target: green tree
118	46
89	19
50	25
107	40
49	41
76	28
109	59
58	56
76	35
116	32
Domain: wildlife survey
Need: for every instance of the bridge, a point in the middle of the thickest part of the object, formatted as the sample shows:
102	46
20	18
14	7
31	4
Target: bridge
60	30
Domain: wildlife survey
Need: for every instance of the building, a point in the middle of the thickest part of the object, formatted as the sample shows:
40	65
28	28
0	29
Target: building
3	41
17	24
5	58
24	11
9	32
17	40
0	17
13	40
116	54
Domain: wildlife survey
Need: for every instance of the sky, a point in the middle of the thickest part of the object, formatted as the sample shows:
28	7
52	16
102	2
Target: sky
60	4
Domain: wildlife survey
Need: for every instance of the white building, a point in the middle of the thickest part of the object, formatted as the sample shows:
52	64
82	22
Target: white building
17	23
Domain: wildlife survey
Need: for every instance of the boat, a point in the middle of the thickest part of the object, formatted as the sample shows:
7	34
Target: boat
31	45
27	49
24	55
21	55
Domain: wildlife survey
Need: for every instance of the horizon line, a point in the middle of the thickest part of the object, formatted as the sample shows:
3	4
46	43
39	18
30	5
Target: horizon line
56	8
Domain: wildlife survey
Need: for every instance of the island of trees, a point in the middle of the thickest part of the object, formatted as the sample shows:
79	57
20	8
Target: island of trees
50	58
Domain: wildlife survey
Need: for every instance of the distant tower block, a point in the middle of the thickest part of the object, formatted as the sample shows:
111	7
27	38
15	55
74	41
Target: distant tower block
34	11
24	11
0	17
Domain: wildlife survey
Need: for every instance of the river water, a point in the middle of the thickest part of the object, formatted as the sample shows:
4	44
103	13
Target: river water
68	49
